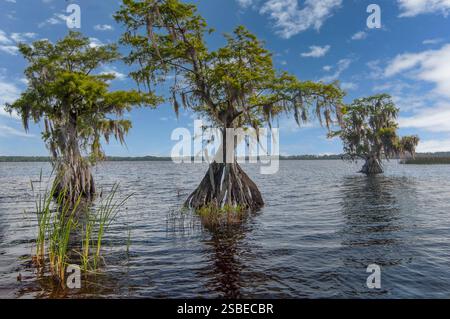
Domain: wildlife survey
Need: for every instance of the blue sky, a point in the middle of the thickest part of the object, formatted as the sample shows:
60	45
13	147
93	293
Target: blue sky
408	57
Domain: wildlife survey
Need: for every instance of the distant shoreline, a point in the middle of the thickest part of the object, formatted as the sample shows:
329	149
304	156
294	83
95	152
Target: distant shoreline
41	159
422	158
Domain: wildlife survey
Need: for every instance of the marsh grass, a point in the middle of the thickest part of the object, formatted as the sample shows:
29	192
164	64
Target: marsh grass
59	222
105	214
423	160
64	222
213	216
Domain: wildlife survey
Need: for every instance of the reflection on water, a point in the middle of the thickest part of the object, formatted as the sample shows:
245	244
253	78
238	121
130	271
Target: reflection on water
225	275
322	226
374	223
371	207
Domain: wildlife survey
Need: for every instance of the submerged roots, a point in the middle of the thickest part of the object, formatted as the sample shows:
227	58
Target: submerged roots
372	166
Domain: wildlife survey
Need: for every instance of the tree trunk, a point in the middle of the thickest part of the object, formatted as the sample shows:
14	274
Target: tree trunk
226	184
372	166
74	179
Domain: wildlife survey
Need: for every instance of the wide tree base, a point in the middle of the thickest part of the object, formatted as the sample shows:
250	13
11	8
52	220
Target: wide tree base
226	185
372	167
74	182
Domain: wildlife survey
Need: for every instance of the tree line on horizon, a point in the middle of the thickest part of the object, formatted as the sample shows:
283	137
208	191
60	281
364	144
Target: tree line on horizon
234	86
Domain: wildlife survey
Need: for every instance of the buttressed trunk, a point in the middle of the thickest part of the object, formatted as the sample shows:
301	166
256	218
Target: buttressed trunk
372	166
226	184
74	179
73	174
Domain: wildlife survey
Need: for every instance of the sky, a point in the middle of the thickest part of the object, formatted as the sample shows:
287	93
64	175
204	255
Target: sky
321	40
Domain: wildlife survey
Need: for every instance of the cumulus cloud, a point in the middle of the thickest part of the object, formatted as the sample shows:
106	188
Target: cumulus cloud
290	17
431	66
316	51
434	145
412	8
436	119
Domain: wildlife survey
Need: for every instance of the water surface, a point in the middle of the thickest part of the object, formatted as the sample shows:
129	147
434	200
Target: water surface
323	224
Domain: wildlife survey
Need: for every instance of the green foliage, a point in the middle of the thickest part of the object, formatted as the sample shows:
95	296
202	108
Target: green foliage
73	101
233	86
369	129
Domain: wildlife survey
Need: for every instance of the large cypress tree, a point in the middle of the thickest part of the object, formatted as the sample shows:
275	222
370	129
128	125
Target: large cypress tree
235	86
71	98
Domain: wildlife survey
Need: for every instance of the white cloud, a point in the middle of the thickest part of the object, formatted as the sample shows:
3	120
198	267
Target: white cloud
430	146
290	19
103	27
23	37
341	66
57	18
4	38
95	43
10	93
430	66
361	35
327	68
245	3
412	8
405	94
113	70
432	41
9	49
316	51
8	42
432	119
6	131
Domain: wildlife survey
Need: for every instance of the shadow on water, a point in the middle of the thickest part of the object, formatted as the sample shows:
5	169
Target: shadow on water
376	225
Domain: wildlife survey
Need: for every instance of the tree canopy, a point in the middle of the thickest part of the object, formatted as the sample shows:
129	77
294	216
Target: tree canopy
369	130
71	98
233	86
62	87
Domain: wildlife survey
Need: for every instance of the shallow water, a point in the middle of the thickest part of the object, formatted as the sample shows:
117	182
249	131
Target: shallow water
323	224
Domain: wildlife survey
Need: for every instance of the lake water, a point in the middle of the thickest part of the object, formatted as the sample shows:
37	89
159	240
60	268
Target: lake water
322	225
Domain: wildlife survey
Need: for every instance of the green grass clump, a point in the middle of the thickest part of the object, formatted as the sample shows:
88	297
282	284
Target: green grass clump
213	215
59	222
